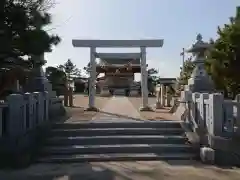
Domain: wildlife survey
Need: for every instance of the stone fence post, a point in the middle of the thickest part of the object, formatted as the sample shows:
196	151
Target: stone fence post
17	115
30	103
237	98
1	121
215	122
202	110
39	107
3	110
46	106
195	114
186	96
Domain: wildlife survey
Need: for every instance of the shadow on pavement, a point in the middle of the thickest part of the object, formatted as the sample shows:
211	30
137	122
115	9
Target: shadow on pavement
80	171
120	115
112	114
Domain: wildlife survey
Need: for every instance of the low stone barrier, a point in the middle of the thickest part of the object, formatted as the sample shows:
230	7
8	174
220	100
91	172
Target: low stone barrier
217	123
24	123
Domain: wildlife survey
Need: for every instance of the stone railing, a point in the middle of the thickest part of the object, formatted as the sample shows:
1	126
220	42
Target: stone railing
212	113
23	122
216	121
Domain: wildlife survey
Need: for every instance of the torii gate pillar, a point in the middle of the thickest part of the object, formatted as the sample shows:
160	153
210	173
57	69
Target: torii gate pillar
92	82
144	81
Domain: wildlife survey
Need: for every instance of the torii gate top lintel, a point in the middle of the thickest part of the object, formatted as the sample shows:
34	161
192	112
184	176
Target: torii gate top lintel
118	43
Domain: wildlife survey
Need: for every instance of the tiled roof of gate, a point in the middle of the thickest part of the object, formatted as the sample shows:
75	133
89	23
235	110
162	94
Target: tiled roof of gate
120	61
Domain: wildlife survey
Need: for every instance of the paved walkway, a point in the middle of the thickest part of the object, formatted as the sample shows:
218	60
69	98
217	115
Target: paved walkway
118	108
114	108
122	171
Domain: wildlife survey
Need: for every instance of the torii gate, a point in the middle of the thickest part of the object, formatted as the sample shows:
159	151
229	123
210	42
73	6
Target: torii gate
93	44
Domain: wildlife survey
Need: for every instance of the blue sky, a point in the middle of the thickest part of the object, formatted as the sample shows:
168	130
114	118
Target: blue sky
176	21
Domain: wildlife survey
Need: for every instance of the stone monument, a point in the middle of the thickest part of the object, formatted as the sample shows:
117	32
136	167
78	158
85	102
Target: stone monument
200	81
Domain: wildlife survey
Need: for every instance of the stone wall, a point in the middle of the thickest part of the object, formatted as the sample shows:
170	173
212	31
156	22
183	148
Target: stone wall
24	121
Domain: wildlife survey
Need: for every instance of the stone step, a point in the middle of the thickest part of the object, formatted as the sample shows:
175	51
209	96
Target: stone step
105	140
123	148
117	141
120	124
116	157
116	131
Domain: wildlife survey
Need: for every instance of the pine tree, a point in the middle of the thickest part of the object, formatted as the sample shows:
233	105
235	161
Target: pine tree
22	36
21	28
224	57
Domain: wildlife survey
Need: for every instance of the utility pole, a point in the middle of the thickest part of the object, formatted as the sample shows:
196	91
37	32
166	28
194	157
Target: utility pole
183	58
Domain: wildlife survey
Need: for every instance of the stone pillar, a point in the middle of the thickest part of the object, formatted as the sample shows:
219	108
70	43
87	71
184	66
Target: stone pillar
46	105
158	99
92	80
162	95
70	97
66	96
144	80
167	98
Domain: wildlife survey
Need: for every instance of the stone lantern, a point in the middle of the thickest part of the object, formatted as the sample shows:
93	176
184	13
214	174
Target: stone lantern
200	81
38	81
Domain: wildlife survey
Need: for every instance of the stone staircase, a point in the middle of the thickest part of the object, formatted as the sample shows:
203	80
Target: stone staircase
116	141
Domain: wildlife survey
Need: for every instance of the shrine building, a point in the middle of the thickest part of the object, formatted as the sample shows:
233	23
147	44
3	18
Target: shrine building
118	73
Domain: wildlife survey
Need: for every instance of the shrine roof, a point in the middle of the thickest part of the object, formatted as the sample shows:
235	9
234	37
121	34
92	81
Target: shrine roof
111	61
